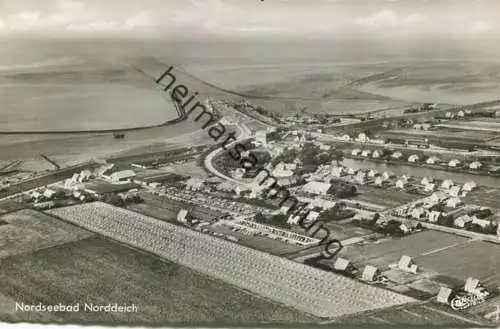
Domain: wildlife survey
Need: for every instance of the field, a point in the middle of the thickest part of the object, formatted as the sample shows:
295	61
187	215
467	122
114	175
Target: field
99	271
309	290
477	259
440	134
390	251
28	230
383	197
474	125
485	196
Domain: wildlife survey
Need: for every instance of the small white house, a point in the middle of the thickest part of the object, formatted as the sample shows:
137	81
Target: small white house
397	155
413	158
376	154
430	187
481	222
372	173
469	186
433	216
453	202
454	191
453	163
366	153
475	165
447	184
427	180
379	181
356	152
400	184
432	160
462	221
417	213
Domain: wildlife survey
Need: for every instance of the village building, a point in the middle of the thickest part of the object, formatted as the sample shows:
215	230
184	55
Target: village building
475	165
366	153
432	160
317	188
379	181
454	191
427	180
453	163
462	221
481	222
469	186
370	273
400	183
413	158
342	264
372	173
406	264
397	155
356	152
447	184
430	187
453	202
386	175
433	216
444	295
337	171
418	213
376	154
362	138
122	176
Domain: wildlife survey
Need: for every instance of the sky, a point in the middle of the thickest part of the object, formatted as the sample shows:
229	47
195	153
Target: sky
251	18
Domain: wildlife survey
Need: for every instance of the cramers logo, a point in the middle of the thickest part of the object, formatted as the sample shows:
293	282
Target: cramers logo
464	302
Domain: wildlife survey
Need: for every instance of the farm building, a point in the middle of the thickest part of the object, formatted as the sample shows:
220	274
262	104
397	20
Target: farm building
356	152
360	177
444	295
372	173
370	273
351	171
437	197
453	163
